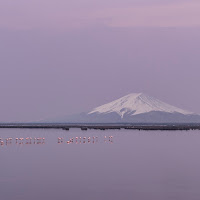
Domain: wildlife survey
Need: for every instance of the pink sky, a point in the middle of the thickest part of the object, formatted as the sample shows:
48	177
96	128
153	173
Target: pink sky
65	56
62	14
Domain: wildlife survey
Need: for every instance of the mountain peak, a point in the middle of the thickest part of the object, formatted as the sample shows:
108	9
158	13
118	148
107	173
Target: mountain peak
137	103
133	108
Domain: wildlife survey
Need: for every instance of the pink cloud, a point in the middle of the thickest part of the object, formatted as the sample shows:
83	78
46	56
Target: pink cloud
72	14
172	15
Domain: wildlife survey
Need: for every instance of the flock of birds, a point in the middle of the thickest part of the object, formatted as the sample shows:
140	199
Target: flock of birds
28	140
79	140
41	140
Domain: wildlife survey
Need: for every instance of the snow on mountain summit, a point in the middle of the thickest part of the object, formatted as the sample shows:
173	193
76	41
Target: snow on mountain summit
133	108
137	103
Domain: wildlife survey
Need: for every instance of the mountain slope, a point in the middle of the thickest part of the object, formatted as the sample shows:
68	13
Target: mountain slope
137	103
133	108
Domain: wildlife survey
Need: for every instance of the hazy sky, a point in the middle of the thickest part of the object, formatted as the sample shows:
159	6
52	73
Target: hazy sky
62	14
62	57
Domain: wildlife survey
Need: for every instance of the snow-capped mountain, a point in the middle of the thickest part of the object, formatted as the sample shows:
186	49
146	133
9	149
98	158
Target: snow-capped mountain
137	103
133	108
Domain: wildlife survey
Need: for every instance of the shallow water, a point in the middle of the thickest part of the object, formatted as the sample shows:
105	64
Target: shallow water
151	165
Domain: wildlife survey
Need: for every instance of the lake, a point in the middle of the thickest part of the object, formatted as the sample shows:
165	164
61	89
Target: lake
132	164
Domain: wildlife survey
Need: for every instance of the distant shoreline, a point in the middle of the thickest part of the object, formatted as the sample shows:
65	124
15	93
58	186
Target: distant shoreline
103	126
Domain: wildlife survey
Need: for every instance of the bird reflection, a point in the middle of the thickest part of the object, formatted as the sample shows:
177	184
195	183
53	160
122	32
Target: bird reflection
60	140
21	140
85	140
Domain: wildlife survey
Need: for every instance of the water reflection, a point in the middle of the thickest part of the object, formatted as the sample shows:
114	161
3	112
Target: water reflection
141	165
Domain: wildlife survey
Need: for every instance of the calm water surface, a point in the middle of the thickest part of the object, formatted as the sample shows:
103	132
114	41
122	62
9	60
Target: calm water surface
138	165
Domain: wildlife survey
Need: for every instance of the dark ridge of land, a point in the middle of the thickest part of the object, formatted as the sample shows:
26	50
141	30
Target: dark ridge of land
84	127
